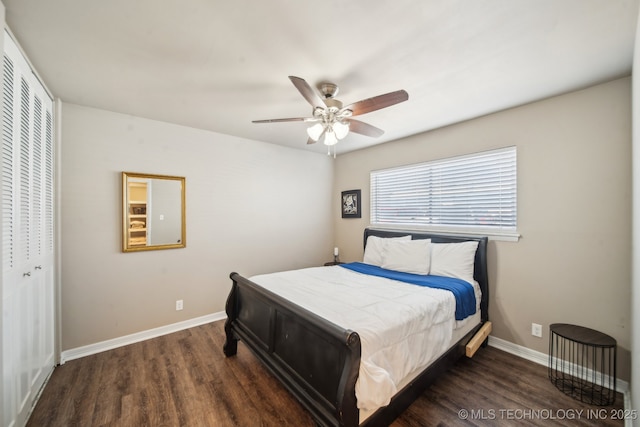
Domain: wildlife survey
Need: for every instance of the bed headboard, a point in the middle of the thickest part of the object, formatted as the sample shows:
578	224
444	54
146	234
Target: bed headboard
480	267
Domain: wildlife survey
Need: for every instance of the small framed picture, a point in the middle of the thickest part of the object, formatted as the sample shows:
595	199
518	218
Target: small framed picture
350	203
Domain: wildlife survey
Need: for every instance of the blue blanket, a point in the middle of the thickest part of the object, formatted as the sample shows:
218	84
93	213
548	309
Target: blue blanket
462	290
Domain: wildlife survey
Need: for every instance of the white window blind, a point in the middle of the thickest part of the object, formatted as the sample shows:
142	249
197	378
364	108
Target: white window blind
469	193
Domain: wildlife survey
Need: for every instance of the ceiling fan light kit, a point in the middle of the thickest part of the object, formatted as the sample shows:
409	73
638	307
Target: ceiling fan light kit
315	132
333	131
332	122
341	129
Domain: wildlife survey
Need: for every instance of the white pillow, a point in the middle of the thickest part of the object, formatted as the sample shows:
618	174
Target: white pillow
375	246
454	260
412	256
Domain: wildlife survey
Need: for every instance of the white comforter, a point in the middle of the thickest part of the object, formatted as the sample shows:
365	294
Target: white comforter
402	327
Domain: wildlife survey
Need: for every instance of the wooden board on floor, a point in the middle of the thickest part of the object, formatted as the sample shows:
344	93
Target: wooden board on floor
477	340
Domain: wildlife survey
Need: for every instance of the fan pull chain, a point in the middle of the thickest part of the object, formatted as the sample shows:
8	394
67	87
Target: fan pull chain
329	150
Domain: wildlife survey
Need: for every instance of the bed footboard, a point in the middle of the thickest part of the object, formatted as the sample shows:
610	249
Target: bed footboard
315	359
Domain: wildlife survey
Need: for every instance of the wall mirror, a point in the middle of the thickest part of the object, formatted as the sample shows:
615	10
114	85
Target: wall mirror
153	212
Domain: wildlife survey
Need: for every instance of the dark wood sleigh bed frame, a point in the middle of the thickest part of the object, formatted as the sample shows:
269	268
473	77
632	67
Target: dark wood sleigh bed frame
318	361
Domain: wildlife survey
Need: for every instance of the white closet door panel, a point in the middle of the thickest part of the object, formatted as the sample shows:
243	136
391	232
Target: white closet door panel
48	184
24	340
28	236
36	201
9	373
8	169
24	176
48	321
10	281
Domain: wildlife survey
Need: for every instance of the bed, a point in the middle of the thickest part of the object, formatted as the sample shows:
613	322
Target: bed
321	362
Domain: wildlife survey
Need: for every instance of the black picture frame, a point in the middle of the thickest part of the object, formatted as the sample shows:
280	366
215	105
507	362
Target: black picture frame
351	204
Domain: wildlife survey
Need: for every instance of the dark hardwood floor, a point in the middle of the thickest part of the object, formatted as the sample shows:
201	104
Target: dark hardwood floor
183	379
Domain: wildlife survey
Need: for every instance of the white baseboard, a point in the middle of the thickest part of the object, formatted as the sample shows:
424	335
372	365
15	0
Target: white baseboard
541	358
87	350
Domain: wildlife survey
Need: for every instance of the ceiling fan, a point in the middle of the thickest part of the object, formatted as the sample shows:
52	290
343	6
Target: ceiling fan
332	121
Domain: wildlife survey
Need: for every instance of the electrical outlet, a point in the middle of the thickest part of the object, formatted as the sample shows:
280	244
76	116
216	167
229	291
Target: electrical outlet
536	330
179	305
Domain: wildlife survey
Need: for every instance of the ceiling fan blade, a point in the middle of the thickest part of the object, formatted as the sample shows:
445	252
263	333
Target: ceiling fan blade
310	141
377	102
292	119
363	128
307	91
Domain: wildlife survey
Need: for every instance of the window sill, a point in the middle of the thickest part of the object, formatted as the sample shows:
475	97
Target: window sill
503	236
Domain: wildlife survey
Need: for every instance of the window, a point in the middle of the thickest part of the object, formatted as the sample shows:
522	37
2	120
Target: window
468	194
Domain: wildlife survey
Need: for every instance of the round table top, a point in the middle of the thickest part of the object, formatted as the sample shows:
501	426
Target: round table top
583	335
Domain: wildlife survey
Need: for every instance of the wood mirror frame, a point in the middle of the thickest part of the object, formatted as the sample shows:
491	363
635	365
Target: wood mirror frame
153	212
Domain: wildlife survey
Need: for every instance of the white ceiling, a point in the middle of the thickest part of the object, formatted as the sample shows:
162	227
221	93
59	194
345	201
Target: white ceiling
217	65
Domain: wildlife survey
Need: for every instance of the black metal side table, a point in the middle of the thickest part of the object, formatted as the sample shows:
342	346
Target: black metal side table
582	363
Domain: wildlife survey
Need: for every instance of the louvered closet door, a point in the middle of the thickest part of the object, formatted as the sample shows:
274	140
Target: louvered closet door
27	236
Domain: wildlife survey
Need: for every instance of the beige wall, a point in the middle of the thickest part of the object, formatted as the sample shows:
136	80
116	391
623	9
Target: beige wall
573	261
251	207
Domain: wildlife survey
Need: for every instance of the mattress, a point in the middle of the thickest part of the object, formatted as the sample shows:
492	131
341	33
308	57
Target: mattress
402	327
